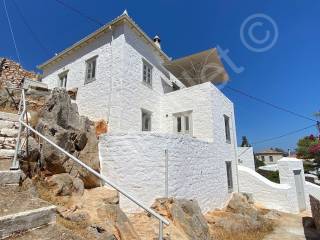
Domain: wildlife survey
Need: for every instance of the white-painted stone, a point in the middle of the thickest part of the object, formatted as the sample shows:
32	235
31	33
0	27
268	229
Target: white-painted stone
6	132
265	192
286	167
136	163
118	95
6	153
9	116
6	124
246	157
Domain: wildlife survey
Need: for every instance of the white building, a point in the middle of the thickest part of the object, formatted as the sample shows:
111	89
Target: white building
269	156
171	132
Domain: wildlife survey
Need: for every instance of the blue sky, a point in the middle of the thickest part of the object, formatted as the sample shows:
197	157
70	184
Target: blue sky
286	75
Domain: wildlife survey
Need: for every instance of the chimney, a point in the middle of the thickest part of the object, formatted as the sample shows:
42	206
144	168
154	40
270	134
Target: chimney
157	41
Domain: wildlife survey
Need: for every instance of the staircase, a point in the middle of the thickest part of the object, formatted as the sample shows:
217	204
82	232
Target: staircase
20	210
8	134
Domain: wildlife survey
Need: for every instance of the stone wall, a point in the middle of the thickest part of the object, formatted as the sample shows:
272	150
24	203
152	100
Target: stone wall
137	163
315	209
269	194
12	73
283	196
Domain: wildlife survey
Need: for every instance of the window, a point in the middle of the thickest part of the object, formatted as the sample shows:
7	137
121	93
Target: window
175	87
63	79
91	70
227	128
183	122
262	158
229	176
146	120
147	73
271	158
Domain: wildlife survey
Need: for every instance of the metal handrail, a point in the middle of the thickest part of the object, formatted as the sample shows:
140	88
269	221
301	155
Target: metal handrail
15	165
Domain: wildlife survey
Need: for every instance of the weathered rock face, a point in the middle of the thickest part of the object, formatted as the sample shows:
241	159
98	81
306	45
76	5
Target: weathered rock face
239	216
186	216
315	209
97	215
65	185
60	122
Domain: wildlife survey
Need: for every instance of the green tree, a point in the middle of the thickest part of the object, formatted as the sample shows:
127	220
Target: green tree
258	163
245	142
307	147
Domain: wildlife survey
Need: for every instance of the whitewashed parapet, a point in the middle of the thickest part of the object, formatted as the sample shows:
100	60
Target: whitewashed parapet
265	192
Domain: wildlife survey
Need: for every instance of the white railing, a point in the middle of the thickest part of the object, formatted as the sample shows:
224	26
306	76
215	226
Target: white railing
15	164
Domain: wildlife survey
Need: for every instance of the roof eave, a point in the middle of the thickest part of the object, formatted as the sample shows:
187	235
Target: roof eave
95	34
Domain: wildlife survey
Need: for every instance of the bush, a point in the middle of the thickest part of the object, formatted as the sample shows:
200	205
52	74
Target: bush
272	176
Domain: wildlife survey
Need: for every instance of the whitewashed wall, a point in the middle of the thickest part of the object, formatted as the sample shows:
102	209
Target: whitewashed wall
246	157
118	94
282	196
312	189
270	194
92	98
136	162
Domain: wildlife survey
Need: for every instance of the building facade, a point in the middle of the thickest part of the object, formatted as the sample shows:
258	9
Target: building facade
269	156
171	132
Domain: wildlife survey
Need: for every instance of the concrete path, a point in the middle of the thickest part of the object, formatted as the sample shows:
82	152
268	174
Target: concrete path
290	227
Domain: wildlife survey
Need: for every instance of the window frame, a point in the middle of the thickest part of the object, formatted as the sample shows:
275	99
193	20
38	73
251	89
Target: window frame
183	125
227	128
92	78
270	158
149	113
148	65
61	77
229	176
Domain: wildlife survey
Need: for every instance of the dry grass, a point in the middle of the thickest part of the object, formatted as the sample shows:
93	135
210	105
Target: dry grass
221	234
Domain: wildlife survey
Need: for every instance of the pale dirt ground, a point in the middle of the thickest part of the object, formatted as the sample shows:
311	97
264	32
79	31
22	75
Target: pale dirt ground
290	227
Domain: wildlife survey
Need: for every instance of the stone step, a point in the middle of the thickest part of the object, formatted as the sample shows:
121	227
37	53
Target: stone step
8	124
6	153
10	177
5	164
9	132
50	232
9	116
20	211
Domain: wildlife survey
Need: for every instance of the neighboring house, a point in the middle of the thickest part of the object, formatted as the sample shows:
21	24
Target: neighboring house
269	156
171	132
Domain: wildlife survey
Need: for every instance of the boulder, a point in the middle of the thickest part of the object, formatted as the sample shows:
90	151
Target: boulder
240	216
60	122
239	203
98	215
65	185
186	215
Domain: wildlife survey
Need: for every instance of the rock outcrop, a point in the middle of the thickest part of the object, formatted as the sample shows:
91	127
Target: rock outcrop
240	216
186	217
60	122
